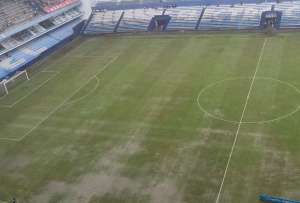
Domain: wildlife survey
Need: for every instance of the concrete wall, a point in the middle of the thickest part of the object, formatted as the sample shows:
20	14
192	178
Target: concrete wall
86	7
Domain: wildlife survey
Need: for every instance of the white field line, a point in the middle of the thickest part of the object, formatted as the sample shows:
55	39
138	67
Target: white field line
34	75
240	122
88	94
31	92
62	104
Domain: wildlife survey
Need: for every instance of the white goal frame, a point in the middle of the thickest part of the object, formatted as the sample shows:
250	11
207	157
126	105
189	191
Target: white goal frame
6	81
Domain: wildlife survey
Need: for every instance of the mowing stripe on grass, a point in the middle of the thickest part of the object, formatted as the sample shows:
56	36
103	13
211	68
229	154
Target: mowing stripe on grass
61	104
241	121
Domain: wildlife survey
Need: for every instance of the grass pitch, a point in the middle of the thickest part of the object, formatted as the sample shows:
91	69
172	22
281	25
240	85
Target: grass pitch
155	119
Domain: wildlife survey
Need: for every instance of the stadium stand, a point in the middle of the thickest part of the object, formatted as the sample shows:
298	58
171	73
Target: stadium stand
184	18
16	59
53	5
233	17
14	12
24	36
111	21
137	20
191	16
290	14
37	31
104	22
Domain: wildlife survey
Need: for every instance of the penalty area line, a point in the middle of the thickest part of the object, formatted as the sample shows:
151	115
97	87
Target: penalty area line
240	122
65	101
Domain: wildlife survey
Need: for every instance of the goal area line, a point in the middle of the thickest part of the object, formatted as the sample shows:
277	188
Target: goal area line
33	90
6	81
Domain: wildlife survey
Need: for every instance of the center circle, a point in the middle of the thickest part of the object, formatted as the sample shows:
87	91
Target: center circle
270	100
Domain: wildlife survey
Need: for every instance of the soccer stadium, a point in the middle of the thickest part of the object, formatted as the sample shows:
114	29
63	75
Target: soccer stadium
188	101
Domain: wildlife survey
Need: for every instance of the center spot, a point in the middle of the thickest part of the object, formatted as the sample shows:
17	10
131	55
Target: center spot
270	100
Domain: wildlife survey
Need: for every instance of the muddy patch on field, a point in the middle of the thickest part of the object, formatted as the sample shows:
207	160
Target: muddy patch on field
15	163
106	177
52	189
100	184
209	131
165	191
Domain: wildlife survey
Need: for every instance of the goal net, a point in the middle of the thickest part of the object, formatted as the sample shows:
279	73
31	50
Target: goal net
7	85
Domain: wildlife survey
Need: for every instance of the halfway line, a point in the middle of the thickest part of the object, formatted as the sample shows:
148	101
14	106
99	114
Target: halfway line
241	121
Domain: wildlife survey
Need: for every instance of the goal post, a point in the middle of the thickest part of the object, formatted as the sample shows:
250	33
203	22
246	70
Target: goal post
7	84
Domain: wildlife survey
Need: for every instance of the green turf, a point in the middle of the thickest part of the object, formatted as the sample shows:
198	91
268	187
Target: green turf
118	121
